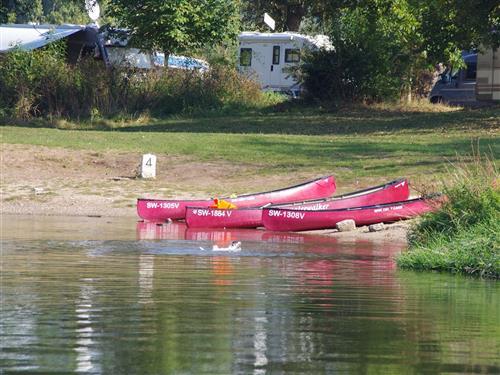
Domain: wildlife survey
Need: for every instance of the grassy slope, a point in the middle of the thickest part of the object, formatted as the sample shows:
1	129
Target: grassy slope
355	143
464	235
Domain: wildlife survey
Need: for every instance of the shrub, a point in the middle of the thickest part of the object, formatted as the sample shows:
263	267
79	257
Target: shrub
41	83
463	236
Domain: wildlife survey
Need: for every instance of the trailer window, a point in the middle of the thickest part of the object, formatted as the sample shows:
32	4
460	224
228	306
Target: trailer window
470	72
292	55
245	57
276	55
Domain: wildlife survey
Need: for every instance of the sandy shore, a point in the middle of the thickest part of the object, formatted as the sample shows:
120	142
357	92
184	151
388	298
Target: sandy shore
41	181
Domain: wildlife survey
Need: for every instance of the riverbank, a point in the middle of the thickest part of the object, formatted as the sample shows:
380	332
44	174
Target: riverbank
90	169
462	237
61	182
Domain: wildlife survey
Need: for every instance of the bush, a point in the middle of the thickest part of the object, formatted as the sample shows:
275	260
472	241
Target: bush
41	84
463	235
375	58
350	74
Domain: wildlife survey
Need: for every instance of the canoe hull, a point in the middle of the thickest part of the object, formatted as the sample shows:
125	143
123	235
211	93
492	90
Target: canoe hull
394	191
199	217
280	219
160	210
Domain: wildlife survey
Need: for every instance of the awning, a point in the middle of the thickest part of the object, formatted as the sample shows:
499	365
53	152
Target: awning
28	37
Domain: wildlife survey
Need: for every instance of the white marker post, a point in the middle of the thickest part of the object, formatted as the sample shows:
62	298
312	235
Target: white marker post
148	166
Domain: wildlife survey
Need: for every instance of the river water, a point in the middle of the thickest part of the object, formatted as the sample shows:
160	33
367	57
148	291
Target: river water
112	296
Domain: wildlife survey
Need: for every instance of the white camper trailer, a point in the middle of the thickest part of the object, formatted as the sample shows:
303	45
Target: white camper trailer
268	57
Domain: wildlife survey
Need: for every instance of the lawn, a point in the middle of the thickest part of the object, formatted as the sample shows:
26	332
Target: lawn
356	143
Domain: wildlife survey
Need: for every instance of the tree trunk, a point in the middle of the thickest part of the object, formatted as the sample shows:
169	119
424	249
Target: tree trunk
294	15
166	56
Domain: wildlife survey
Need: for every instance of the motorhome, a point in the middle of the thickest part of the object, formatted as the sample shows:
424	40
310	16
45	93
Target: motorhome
269	58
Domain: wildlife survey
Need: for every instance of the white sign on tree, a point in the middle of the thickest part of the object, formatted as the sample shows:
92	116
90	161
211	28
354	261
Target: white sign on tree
268	20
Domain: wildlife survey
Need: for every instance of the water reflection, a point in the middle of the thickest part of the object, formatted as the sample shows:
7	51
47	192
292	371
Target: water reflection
287	303
260	345
87	359
146	273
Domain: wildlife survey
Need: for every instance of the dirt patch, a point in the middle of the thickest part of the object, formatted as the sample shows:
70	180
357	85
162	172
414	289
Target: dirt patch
59	181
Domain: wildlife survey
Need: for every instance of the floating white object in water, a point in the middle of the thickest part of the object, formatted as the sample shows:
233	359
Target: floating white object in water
235	246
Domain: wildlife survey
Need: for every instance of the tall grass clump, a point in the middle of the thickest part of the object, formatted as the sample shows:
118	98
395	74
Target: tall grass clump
41	83
464	235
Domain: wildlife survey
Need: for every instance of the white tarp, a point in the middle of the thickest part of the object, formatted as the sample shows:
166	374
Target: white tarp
28	37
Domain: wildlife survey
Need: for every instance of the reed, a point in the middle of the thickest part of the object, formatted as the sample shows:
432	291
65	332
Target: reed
463	236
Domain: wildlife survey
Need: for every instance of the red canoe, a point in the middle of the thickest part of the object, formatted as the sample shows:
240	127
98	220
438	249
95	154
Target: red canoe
160	210
197	217
281	219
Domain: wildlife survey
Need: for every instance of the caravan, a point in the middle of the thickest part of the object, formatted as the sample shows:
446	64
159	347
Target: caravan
269	58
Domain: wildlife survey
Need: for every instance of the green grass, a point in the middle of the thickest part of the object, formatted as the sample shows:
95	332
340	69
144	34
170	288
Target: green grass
475	251
464	235
353	143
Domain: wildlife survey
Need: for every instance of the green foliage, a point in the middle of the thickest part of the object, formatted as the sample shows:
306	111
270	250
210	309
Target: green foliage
26	77
463	236
452	26
45	11
64	11
384	49
373	57
287	14
474	251
177	26
225	54
22	11
41	83
171	91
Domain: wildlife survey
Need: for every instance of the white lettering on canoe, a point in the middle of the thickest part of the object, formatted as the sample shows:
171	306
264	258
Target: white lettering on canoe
295	214
211	213
162	205
385	209
315	207
169	205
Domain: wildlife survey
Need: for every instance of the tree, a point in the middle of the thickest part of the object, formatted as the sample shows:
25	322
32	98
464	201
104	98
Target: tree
288	14
450	26
176	26
21	11
382	47
44	11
